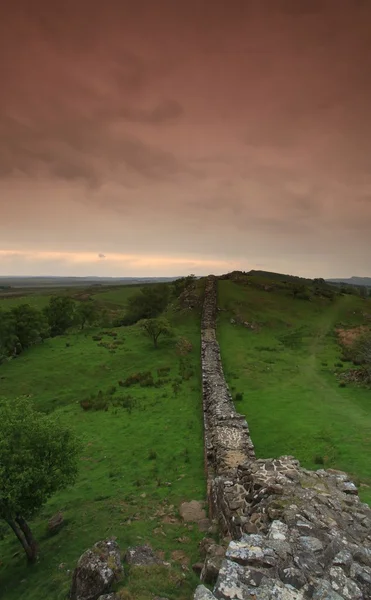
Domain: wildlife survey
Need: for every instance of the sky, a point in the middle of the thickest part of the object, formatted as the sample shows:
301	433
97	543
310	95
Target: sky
171	137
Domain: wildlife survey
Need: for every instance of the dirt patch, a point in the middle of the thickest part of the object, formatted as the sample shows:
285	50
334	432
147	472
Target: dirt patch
347	337
180	556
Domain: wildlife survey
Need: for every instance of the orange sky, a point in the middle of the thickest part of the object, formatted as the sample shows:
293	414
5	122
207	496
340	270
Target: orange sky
168	137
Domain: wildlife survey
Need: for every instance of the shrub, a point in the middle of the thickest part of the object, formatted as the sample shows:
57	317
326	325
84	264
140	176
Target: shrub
152	455
238	397
183	346
161	371
145	379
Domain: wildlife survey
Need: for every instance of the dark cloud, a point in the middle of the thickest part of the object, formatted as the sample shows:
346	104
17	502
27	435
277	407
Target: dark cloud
228	130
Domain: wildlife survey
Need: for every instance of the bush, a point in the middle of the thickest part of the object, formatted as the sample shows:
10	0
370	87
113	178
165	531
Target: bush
161	371
183	346
145	379
238	397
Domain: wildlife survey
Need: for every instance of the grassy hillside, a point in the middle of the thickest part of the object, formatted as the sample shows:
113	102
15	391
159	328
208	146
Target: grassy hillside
285	360
142	457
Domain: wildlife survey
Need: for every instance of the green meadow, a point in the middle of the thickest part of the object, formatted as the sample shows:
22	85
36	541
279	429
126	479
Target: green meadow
287	366
142	454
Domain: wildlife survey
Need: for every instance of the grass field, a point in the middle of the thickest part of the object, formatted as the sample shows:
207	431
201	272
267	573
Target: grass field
141	458
286	369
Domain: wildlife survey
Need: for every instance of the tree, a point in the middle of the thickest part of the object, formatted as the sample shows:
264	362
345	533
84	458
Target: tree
38	457
8	338
60	313
86	313
150	302
30	325
154	328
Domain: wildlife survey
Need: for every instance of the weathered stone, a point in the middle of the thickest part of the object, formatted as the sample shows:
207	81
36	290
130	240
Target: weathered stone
204	524
202	593
230	582
111	596
311	544
142	556
96	570
344	586
205	544
244	553
362	574
192	511
293	577
56	523
343	559
278	530
324	591
214	557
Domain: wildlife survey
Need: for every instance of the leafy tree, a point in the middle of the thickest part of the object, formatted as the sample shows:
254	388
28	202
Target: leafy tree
30	325
86	313
154	328
60	313
8	338
38	457
148	303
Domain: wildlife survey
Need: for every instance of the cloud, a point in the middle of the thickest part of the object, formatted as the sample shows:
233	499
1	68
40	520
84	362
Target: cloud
237	134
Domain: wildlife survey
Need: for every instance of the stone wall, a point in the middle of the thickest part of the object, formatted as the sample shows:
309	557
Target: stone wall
227	438
295	533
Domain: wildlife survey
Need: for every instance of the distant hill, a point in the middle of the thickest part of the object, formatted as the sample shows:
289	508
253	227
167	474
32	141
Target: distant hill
358	281
53	282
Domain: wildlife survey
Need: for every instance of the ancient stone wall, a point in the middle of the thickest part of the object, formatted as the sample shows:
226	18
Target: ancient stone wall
227	439
295	533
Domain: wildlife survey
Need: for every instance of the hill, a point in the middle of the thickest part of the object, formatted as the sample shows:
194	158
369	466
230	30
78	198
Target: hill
285	363
359	281
138	411
57	282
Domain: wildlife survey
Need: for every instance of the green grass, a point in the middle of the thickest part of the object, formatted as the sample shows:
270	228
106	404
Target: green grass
287	370
117	296
136	466
37	300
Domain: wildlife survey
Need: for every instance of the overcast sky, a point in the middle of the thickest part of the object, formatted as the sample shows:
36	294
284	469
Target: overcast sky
167	137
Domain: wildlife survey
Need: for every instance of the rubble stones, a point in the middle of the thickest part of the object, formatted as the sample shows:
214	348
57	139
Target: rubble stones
96	571
142	556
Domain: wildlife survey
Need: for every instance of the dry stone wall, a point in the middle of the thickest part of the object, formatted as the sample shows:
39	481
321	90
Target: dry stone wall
295	533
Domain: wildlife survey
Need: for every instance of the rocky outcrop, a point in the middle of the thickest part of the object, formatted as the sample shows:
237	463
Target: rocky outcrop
96	571
142	556
296	533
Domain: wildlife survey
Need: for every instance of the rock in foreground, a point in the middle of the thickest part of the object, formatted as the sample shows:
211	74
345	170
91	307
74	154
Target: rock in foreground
96	571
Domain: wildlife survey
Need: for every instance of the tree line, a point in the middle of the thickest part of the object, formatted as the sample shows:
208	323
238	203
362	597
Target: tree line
23	326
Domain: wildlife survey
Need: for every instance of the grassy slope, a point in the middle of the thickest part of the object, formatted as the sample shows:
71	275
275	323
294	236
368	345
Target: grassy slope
286	370
121	491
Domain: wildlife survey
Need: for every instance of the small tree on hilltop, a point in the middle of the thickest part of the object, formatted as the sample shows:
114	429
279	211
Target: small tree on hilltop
38	457
155	328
